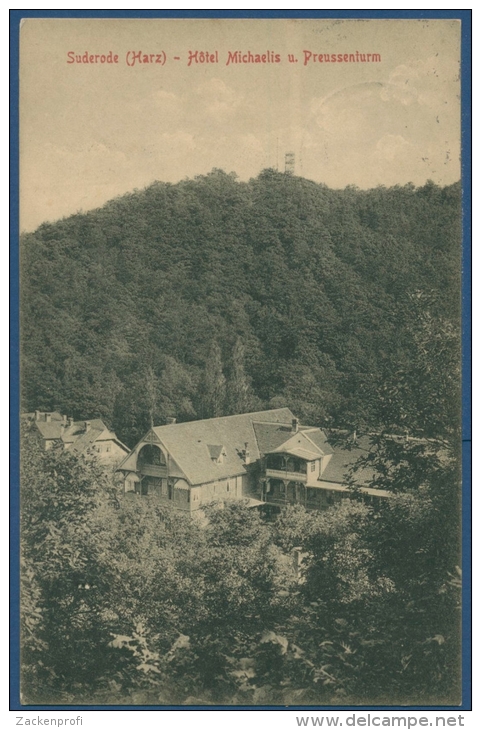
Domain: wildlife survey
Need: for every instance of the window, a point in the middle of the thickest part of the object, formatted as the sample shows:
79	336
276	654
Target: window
108	448
313	466
152	455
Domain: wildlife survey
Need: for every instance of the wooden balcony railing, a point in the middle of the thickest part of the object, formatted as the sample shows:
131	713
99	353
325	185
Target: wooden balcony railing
152	470
291	476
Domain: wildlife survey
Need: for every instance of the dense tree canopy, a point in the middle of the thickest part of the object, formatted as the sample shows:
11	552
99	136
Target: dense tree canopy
275	291
124	601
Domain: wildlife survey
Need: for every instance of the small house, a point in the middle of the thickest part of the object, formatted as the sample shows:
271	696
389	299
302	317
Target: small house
81	437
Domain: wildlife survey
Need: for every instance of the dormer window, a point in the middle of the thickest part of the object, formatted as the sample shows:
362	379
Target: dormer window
217	453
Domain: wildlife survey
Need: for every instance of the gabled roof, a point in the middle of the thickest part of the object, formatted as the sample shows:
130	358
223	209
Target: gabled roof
85	441
195	446
188	443
281	438
75	434
50	429
97	431
271	435
299	452
299	442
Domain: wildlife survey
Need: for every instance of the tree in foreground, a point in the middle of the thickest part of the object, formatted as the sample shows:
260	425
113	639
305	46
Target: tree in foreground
124	602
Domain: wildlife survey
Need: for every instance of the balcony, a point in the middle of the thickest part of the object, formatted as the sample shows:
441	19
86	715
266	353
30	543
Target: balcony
290	476
152	470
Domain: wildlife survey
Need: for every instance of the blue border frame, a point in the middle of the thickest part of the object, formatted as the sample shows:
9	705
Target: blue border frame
466	137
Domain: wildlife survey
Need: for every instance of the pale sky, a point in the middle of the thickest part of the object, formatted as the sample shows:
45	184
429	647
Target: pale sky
90	132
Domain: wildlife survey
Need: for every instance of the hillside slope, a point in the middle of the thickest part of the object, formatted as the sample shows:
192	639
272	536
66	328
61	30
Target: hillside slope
214	296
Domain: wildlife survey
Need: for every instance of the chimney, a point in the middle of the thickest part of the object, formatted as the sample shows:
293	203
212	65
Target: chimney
37	415
170	420
70	422
48	417
247	456
295	425
87	425
64	420
354	437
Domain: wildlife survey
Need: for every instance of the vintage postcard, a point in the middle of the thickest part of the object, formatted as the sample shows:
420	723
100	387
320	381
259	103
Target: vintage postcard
240	266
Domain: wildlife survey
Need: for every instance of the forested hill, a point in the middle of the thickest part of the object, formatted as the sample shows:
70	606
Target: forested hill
214	296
